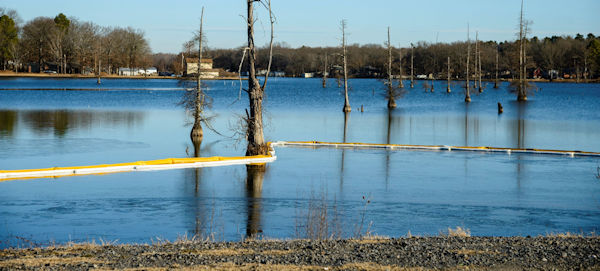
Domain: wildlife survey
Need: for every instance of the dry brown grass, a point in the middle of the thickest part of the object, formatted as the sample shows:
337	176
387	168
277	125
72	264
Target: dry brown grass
29	261
459	232
372	239
565	235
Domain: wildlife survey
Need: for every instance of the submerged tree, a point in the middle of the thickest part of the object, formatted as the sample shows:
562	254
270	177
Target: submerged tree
392	92
195	99
448	86
412	67
200	100
254	120
476	59
478	65
522	85
325	72
390	84
467	86
347	107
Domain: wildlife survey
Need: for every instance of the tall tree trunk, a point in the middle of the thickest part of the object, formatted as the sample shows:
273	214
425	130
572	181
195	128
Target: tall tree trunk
476	57
391	99
40	57
448	87
521	94
99	71
347	107
400	83
256	141
412	68
496	81
325	73
197	134
467	92
576	71
480	72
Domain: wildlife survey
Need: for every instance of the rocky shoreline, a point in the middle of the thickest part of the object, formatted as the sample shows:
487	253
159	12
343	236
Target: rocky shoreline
415	253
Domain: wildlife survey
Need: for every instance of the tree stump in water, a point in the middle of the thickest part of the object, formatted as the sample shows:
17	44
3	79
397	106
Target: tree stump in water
197	134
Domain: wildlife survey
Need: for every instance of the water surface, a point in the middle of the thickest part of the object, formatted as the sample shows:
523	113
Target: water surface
419	191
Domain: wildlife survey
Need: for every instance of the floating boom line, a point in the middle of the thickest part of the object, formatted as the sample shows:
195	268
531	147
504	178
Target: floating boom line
217	161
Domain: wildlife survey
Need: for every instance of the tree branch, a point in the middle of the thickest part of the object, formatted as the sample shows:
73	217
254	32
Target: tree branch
272	19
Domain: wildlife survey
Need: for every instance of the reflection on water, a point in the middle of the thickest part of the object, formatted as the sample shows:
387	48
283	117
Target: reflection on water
58	122
254	186
8	121
424	192
344	133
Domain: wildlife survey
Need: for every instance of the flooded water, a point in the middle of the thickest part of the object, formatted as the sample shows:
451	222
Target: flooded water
71	122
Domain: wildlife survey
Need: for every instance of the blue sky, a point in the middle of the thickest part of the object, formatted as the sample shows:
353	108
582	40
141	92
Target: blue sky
168	24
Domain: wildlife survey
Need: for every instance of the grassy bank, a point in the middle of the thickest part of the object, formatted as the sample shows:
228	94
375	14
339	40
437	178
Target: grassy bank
447	252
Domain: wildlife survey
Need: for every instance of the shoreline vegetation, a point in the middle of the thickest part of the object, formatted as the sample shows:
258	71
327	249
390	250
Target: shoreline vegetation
443	252
92	76
113	76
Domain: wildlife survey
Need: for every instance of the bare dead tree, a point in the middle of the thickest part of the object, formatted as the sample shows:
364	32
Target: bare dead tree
324	81
448	86
390	84
347	107
478	64
400	83
475	60
496	81
197	134
254	118
433	77
585	67
467	86
412	67
99	71
521	91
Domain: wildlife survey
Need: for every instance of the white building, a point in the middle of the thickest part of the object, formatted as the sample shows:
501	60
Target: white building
138	71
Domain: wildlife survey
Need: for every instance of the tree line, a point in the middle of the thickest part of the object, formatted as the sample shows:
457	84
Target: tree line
577	55
68	45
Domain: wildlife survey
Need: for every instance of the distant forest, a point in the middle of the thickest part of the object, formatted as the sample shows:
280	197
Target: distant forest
67	45
568	56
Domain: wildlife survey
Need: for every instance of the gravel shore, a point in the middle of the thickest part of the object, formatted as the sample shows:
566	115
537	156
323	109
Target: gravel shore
415	253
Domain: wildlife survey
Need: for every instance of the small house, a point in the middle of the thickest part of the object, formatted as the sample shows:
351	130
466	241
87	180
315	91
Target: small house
206	67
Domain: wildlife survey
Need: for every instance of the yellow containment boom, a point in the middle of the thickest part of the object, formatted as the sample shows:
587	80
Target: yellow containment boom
162	164
179	163
430	148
